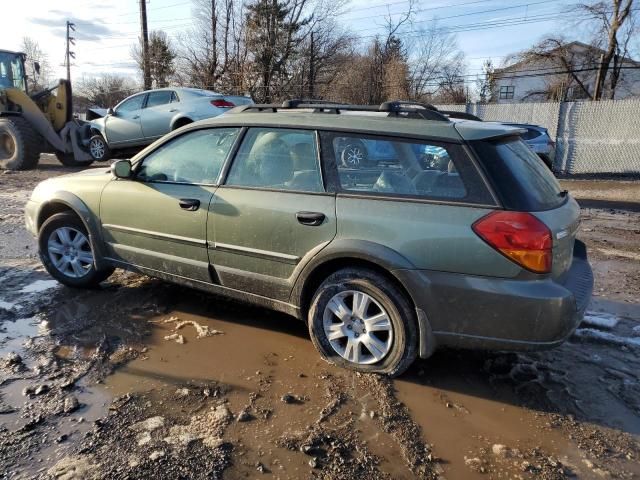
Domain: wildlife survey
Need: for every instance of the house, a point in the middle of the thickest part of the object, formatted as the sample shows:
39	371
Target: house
560	71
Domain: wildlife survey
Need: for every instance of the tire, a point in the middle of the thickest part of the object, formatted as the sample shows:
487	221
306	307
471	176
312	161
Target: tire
68	160
20	144
354	155
399	339
99	149
48	238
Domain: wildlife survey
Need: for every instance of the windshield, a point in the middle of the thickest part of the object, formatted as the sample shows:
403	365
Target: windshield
11	71
522	179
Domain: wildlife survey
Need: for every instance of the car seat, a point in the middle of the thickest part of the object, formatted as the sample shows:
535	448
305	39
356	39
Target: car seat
393	182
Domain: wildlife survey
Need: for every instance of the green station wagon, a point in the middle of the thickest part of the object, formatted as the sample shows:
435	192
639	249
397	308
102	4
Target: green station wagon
385	261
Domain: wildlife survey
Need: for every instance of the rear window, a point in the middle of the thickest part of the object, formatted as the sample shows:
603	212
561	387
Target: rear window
520	177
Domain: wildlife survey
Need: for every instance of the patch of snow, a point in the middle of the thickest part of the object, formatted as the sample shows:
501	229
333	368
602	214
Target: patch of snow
606	337
176	337
39	286
636	331
9	305
600	319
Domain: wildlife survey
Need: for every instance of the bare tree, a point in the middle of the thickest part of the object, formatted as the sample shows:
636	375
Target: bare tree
613	20
104	91
36	81
432	52
212	53
574	67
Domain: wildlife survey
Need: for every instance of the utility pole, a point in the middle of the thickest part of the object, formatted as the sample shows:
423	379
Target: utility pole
69	54
145	45
312	68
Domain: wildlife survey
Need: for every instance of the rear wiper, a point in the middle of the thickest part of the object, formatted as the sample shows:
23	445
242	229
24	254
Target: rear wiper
563	193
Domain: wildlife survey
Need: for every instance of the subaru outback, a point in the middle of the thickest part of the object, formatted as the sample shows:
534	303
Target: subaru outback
384	263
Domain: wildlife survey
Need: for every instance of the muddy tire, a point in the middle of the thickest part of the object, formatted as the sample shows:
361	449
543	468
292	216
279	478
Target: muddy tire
68	160
19	144
65	251
360	320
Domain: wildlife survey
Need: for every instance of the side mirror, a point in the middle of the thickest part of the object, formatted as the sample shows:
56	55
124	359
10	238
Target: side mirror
110	111
121	169
36	67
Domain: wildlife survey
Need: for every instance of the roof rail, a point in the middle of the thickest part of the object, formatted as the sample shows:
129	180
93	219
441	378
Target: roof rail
397	108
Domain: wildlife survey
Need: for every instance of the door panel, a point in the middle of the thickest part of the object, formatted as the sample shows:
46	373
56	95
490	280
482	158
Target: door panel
143	224
156	116
124	127
259	242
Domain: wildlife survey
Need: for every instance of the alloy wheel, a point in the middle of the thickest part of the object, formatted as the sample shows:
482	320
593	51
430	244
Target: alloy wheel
97	148
358	327
70	252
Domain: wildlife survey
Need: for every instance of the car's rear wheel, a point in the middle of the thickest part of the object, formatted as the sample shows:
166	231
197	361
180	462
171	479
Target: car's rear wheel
360	320
65	251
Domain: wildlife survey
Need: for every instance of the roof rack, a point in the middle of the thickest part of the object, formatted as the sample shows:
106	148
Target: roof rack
396	108
461	115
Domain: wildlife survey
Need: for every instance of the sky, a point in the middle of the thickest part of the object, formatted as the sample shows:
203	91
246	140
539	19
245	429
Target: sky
106	31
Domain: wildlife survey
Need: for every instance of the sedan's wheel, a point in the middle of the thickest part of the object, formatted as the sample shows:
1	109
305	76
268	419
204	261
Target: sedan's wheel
353	156
360	320
98	148
65	251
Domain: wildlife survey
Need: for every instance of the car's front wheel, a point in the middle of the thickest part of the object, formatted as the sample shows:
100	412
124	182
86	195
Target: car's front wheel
99	149
66	253
360	320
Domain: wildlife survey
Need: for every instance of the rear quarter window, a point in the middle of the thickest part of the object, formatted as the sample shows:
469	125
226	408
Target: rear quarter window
520	178
380	166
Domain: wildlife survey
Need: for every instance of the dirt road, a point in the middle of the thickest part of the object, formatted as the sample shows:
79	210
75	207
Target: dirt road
141	378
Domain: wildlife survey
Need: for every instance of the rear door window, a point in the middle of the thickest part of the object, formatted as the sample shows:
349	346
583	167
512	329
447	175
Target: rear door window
520	177
395	167
277	158
158	98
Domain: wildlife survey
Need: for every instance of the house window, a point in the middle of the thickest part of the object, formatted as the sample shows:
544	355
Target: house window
506	93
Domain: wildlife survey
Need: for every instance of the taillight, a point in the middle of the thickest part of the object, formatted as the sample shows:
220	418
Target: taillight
519	236
222	103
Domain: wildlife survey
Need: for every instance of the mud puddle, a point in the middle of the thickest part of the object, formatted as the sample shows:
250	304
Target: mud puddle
294	416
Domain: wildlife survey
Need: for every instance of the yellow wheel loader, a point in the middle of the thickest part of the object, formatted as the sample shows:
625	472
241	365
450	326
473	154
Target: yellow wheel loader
38	123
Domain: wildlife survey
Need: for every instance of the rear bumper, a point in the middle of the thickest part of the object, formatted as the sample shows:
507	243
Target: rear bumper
491	313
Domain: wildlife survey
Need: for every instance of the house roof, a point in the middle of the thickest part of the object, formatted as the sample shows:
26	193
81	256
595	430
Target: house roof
569	45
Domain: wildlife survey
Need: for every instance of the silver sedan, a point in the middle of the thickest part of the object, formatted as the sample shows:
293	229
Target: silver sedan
144	117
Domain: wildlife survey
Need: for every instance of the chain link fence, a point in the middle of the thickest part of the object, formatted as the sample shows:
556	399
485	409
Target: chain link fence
591	137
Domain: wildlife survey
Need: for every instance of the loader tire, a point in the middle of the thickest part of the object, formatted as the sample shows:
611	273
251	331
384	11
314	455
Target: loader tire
19	144
68	160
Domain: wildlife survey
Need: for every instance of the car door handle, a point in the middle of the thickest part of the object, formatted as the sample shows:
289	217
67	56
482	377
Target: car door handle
173	110
312	219
190	204
136	117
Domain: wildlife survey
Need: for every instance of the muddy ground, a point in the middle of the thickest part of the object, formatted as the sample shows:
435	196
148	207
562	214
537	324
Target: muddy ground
141	378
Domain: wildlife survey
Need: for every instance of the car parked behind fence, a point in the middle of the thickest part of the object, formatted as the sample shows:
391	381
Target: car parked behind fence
144	117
